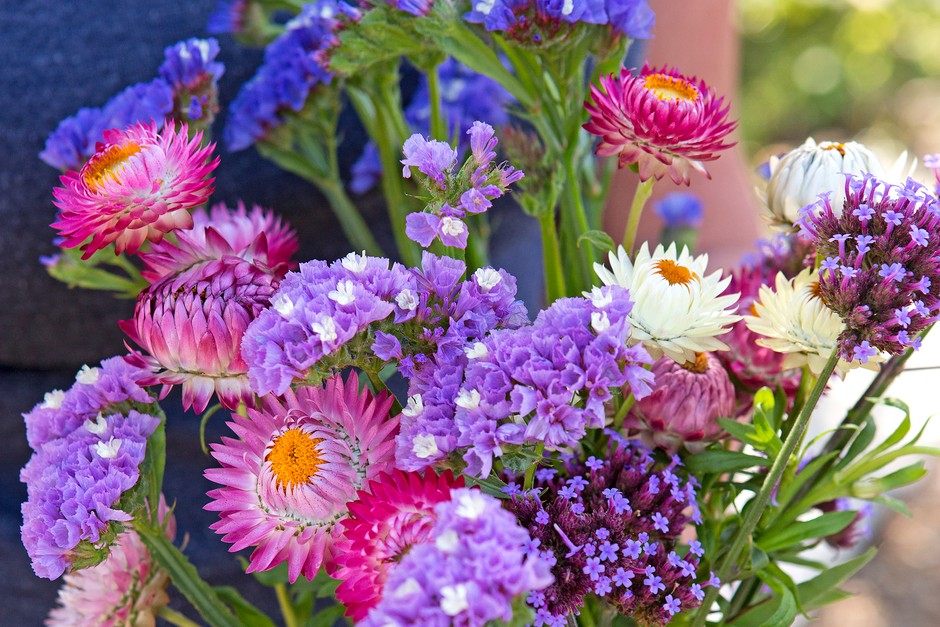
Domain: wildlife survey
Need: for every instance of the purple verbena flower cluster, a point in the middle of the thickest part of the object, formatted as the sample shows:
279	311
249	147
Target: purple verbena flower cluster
189	71
294	64
880	268
610	527
454	194
88	443
543	383
538	22
471	572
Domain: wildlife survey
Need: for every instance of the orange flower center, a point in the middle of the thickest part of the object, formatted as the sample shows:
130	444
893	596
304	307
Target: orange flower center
294	458
838	147
699	365
107	163
667	87
674	273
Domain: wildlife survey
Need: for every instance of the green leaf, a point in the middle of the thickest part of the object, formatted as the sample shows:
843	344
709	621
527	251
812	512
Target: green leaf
381	35
598	239
326	617
491	485
874	487
721	461
819	527
813	592
248	614
859	443
778	610
893	503
739	430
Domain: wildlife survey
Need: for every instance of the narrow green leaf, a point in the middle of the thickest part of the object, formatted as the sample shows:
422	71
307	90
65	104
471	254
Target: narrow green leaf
819	527
893	503
813	592
248	614
741	431
778	610
598	239
721	461
859	443
905	476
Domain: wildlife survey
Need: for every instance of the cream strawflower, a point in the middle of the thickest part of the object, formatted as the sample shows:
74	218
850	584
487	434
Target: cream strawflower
678	310
794	320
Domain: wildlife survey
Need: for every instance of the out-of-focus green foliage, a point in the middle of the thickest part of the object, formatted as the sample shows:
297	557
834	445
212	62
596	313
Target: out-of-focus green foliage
835	68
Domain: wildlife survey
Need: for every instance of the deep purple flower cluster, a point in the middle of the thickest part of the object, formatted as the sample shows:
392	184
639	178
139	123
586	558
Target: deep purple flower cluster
189	71
539	21
294	64
471	573
610	527
880	268
465	96
543	383
88	444
455	194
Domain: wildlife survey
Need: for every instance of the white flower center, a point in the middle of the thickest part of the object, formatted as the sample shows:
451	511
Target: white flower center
325	328
477	351
454	599
343	294
355	263
485	6
424	446
407	300
599	321
447	541
599	298
98	425
409	587
468	399
567	7
452	226
53	399
487	278
471	504
109	449
414	407
283	305
87	376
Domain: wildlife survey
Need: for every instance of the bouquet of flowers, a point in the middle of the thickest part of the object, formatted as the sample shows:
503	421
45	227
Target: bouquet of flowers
404	435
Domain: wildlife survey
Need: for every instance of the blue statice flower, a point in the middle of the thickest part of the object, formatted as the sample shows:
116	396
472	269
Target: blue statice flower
189	63
647	577
470	574
680	210
294	64
88	443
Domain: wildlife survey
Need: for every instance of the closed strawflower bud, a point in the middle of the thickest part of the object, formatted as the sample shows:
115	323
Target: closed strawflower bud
797	179
685	404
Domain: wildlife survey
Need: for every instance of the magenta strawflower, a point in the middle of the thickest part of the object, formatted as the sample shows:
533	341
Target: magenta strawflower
685	403
663	121
296	464
140	184
384	523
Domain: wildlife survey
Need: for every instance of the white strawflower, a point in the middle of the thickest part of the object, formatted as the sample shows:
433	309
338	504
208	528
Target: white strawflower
678	310
799	177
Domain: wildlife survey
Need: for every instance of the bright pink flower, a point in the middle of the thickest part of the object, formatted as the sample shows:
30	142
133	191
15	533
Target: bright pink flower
140	184
259	237
659	119
685	404
294	467
381	528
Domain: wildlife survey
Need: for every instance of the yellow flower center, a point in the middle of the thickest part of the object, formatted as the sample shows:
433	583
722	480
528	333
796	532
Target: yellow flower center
107	163
294	457
838	147
699	365
674	273
667	87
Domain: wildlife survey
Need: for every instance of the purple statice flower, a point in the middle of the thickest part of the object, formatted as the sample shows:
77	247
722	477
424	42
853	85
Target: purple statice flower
647	574
538	22
433	158
294	64
192	71
680	210
471	572
88	443
886	241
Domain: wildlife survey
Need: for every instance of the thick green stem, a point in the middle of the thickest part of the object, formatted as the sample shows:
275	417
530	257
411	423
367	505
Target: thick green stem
642	194
807	381
755	508
175	618
576	204
438	126
551	256
287	608
623	410
354	226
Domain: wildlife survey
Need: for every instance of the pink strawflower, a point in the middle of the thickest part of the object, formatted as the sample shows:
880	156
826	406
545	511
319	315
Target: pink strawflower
294	467
259	237
663	121
685	404
140	184
126	589
381	528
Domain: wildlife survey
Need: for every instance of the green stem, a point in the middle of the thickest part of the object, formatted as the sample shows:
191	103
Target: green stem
576	204
551	255
529	480
743	595
755	508
623	410
354	226
287	608
175	618
642	194
807	380
438	127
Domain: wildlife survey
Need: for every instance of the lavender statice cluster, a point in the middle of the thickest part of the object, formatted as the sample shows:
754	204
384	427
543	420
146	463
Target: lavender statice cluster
294	64
465	96
537	22
88	443
185	89
880	263
454	194
542	383
469	574
610	527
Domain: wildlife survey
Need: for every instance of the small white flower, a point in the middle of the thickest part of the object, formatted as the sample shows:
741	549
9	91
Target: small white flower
424	446
283	305
97	426
407	300
326	329
599	321
452	226
567	7
407	588
447	541
487	278
53	399
477	351
471	504
87	376
343	294
600	299
355	263
414	407
454	599
678	310
109	449
468	399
